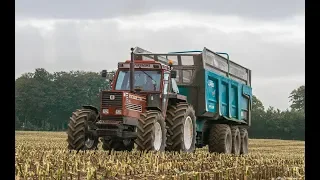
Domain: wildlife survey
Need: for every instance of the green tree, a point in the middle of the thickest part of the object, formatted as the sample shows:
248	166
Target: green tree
297	98
274	123
257	118
24	93
257	104
46	100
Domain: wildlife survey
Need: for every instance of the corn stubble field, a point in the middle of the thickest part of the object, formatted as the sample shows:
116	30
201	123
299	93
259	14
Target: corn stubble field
43	155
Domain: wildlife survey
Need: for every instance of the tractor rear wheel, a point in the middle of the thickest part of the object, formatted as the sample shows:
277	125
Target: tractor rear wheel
236	140
244	141
118	145
79	136
220	139
181	122
151	132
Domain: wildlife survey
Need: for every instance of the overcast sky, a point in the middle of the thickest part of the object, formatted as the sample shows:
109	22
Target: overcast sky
267	36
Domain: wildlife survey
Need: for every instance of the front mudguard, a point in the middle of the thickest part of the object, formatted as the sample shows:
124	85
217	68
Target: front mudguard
91	108
97	116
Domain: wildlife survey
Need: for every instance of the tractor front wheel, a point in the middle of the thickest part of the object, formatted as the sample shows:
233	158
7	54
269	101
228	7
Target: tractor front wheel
79	135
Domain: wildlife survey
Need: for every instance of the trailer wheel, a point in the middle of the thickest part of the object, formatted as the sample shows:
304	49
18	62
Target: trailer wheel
181	121
220	139
151	132
79	137
236	140
118	145
244	141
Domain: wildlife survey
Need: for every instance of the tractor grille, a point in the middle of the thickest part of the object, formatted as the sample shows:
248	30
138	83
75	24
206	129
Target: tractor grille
134	107
108	101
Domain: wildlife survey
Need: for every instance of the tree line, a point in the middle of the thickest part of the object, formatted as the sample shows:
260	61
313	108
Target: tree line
45	101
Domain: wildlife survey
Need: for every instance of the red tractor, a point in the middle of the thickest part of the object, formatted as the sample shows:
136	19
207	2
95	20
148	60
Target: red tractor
143	107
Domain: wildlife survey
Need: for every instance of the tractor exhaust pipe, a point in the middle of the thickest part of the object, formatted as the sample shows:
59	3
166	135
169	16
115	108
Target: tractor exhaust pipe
132	71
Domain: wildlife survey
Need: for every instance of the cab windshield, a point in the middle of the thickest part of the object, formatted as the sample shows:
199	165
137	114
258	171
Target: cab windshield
147	80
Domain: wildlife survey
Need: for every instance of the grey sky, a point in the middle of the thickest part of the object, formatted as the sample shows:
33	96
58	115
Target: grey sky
267	37
83	9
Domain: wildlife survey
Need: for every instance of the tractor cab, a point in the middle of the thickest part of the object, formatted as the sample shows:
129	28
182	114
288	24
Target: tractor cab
152	82
148	76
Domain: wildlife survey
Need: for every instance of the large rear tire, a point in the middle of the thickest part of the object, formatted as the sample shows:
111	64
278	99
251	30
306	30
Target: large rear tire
244	140
236	140
220	139
79	136
118	145
181	122
151	132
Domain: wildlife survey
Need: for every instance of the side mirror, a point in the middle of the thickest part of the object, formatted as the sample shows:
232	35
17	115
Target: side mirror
110	76
173	74
104	73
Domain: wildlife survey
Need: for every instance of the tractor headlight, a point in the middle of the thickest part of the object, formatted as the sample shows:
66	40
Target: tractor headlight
118	111
105	111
